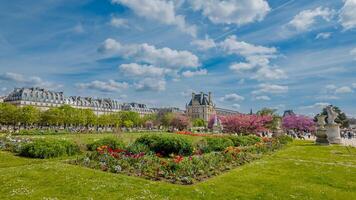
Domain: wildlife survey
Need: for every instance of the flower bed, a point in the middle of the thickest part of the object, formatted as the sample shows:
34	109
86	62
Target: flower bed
175	168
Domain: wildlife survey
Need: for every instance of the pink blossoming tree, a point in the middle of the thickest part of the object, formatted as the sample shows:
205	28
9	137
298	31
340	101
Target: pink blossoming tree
243	124
298	123
180	121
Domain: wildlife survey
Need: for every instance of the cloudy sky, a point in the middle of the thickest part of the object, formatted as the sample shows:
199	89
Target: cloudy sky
284	54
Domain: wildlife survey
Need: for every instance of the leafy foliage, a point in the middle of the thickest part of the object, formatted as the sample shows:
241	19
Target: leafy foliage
244	140
274	123
219	144
166	144
48	149
199	123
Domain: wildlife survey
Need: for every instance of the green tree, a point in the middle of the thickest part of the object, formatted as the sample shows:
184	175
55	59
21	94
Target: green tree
199	123
166	119
52	117
9	114
89	118
69	115
29	115
272	125
134	117
128	123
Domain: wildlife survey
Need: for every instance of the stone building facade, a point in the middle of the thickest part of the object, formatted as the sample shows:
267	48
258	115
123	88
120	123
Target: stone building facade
45	99
201	106
140	108
99	106
38	97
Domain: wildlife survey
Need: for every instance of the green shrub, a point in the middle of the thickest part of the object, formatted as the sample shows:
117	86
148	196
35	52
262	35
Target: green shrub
136	148
244	140
167	144
284	139
219	144
202	146
111	142
48	149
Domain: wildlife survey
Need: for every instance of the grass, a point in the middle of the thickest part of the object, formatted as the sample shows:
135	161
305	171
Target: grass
83	139
299	171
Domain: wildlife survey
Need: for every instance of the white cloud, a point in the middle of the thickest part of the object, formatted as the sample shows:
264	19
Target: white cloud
109	45
267	73
187	93
134	69
353	53
271	89
327	97
151	84
236	106
232	46
232	97
231	11
110	86
159	10
325	35
347	16
343	90
163	57
28	80
264	98
319	105
331	87
241	67
118	22
332	90
200	72
257	59
354	85
205	44
305	20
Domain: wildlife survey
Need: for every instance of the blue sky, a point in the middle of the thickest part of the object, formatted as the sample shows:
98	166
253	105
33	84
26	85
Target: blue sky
284	54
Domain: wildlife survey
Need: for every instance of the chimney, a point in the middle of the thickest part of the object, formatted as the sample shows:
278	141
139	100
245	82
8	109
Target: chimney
209	98
193	95
201	97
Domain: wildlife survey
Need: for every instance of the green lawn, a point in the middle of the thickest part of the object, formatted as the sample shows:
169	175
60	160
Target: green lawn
299	171
127	137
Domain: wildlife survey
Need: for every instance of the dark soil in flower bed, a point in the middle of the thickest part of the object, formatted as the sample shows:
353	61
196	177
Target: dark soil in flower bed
174	168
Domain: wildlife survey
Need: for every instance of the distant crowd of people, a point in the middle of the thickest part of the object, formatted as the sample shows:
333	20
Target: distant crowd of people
348	134
299	134
345	134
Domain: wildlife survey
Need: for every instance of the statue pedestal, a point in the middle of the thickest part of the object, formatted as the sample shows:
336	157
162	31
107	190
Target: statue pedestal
333	133
321	137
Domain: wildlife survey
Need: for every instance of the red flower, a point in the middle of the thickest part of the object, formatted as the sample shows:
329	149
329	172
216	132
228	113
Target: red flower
178	159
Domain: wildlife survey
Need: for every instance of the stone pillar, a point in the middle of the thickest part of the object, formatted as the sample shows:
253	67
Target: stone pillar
333	133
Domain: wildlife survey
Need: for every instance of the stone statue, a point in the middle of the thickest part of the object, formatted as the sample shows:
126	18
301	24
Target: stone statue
332	115
321	120
332	128
321	136
217	126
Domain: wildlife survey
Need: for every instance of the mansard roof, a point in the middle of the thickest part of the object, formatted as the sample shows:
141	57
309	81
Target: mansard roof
93	102
202	99
35	94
